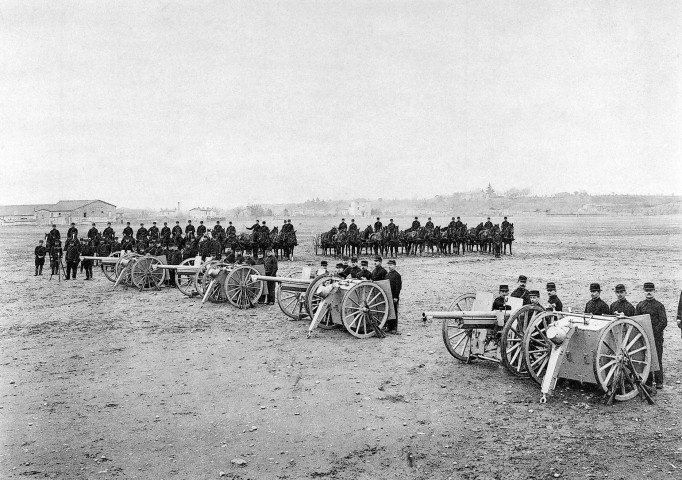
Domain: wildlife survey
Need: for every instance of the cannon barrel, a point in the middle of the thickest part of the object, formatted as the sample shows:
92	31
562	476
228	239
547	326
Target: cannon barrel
105	260
265	278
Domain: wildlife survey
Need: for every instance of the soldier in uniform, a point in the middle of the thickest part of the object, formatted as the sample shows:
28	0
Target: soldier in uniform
429	224
379	272
500	303
488	223
323	268
596	305
659	320
452	223
204	248
165	231
340	271
353	269
72	230
353	226
621	305
92	233
115	245
39	252
54	233
364	273
72	257
177	229
218	229
271	268
396	282
174	258
201	229
128	230
553	300
141	233
415	223
127	243
505	223
87	251
230	230
342	226
377	225
108	232
459	223
255	227
230	257
216	248
248	259
520	291
265	230
153	232
55	256
391	226
189	228
534	296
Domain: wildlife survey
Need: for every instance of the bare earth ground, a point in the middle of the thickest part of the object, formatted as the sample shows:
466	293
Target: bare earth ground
96	383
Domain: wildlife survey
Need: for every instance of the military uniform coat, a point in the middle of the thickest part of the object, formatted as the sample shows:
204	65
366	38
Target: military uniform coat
597	307
622	306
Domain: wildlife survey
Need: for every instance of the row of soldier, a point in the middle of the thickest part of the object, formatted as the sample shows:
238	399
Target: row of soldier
378	225
597	306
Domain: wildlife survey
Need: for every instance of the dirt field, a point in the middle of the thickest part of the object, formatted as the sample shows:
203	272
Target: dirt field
96	383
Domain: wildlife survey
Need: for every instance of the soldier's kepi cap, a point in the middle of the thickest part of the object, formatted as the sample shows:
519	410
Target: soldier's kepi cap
534	293
364	263
620	288
324	263
354	260
391	262
551	286
339	265
504	288
377	258
649	286
523	278
595	287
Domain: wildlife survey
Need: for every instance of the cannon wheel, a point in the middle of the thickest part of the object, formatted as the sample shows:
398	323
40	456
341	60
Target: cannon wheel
536	346
458	340
241	291
511	348
618	336
120	267
199	275
216	285
143	274
185	282
109	270
312	299
363	300
289	302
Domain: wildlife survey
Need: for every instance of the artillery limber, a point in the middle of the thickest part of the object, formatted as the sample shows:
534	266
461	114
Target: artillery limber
132	269
361	307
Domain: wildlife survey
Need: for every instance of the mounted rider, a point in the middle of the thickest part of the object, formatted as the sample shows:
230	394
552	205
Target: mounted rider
201	229
415	223
353	226
287	227
488	224
255	227
165	231
505	223
391	227
452	223
72	230
377	225
218	229
92	233
154	232
342	226
108	232
230	230
142	233
128	230
459	223
177	229
54	233
264	231
429	225
189	228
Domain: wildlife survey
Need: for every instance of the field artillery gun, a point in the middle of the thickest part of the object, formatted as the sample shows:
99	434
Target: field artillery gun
362	307
473	331
615	352
132	269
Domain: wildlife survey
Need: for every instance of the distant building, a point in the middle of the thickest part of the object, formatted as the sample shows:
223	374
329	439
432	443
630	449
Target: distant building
360	209
202	213
168	212
61	213
11	214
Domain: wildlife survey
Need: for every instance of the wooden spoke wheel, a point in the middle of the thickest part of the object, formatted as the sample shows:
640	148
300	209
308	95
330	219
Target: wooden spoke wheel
213	283
289	298
621	338
536	346
241	291
109	269
185	281
511	345
143	274
124	267
199	275
313	300
363	303
458	340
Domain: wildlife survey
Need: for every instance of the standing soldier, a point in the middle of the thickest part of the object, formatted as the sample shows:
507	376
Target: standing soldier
520	291
488	223
270	271
153	232
377	225
621	305
342	226
73	230
352	227
165	232
553	300
204	248
128	230
72	257
201	229
92	233
659	320
364	273
429	225
141	233
505	223
88	250
174	258
396	282
379	272
54	233
596	305
177	229
56	256
230	230
108	232
500	303
218	229
39	252
415	223
189	228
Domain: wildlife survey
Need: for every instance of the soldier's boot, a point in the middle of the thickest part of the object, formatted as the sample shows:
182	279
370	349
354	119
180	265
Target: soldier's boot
36	274
40	270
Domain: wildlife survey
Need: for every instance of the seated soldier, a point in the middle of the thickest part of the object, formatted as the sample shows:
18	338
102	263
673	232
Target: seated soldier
340	271
500	303
535	298
323	268
365	273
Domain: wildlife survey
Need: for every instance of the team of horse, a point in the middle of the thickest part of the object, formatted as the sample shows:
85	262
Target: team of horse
390	242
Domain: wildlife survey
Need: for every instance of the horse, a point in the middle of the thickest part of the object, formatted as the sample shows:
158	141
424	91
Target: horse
364	239
432	239
376	242
415	238
392	241
327	241
354	243
508	237
340	243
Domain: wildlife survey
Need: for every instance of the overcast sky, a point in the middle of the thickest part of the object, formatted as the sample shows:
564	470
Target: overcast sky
225	103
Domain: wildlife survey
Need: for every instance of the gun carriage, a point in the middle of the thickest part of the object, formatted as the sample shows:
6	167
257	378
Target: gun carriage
362	307
132	269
